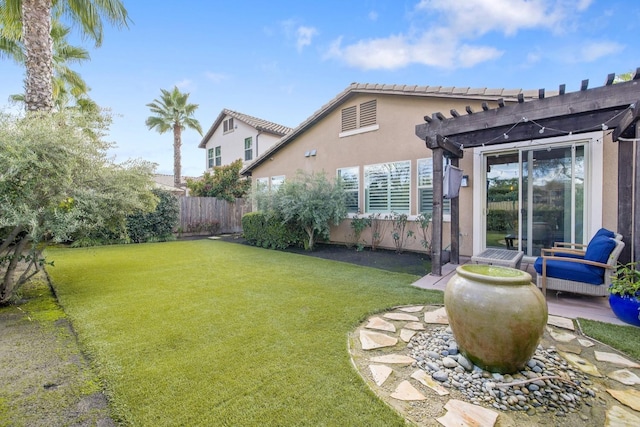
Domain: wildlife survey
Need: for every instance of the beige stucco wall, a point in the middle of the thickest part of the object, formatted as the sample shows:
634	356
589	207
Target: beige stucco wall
394	140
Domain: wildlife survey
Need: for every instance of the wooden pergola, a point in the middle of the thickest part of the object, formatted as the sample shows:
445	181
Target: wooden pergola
614	107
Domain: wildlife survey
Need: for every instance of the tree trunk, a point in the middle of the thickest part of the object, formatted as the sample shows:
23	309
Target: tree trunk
36	34
9	279
177	158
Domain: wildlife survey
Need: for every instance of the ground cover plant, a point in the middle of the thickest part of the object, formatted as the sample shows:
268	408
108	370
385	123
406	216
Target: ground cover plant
212	333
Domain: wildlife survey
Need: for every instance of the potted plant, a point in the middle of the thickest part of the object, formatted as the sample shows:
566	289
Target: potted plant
624	293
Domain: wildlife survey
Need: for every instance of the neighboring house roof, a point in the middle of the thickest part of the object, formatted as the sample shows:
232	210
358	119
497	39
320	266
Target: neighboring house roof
165	182
259	124
383	89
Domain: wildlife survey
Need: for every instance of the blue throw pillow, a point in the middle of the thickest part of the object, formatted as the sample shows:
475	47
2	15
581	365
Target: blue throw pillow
603	232
599	249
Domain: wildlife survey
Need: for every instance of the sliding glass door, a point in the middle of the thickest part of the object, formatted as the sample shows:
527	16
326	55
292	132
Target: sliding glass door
535	197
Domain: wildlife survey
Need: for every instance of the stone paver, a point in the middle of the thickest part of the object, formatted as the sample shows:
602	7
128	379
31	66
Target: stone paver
417	385
407	334
380	373
624	376
380	324
405	391
370	340
615	359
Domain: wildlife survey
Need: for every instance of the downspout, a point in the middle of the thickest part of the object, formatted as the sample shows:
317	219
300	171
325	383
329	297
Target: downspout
257	151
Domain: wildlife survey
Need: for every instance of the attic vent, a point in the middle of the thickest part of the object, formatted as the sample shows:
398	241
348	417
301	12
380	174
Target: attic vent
368	113
349	118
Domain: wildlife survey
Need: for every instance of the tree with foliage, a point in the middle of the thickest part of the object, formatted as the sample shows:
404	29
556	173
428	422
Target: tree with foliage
224	183
68	85
30	22
57	179
313	202
173	112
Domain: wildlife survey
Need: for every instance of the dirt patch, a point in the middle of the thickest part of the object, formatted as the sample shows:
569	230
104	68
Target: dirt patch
414	263
45	379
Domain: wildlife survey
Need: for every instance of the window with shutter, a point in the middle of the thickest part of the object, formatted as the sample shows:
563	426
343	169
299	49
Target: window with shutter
349	121
425	188
227	125
388	187
351	184
218	156
210	158
248	149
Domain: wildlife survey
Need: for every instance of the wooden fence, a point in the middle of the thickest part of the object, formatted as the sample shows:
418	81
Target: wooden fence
202	215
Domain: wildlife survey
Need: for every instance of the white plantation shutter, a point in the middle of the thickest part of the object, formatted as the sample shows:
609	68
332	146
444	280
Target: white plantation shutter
387	187
351	184
425	188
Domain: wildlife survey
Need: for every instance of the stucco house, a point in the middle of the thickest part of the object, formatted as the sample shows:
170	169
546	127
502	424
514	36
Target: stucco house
366	135
234	136
557	168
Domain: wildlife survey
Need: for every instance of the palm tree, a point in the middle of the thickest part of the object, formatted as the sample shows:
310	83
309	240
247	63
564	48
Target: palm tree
173	112
30	22
67	84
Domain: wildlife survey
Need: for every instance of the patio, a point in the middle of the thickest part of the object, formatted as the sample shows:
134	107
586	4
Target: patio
559	303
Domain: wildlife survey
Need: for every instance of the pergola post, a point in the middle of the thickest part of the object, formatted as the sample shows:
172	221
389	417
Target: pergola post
455	223
436	238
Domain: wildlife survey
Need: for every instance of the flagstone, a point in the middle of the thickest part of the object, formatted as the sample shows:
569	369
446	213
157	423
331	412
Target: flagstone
416	326
561	322
438	316
618	417
585	343
401	316
463	414
568	348
582	364
405	391
630	398
395	359
380	373
624	376
372	340
616	359
407	334
426	380
414	309
380	324
560	335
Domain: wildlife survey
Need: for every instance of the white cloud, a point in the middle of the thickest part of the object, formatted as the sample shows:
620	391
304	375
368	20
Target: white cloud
453	28
184	84
304	36
596	50
215	77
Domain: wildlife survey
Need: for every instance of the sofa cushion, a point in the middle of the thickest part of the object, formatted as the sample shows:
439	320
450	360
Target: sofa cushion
599	249
603	232
574	271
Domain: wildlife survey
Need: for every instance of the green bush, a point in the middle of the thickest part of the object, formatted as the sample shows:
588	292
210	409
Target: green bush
157	225
269	230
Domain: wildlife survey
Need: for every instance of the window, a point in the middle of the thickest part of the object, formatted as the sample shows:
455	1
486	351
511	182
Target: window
210	158
425	189
351	183
262	184
388	187
248	149
359	118
227	125
218	156
276	182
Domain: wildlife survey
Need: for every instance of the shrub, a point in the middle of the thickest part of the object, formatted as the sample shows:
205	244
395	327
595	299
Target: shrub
269	230
224	183
398	226
157	225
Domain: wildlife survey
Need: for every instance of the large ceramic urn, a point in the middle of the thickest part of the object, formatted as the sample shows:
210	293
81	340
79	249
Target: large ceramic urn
496	314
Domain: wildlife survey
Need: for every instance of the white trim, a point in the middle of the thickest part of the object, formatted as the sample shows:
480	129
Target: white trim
595	160
359	130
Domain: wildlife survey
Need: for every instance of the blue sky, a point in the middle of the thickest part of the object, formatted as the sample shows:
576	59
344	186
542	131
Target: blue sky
282	60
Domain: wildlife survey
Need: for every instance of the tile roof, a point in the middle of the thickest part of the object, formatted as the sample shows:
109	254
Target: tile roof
258	124
483	94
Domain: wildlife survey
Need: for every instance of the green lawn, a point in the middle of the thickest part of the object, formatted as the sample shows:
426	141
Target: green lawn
212	333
